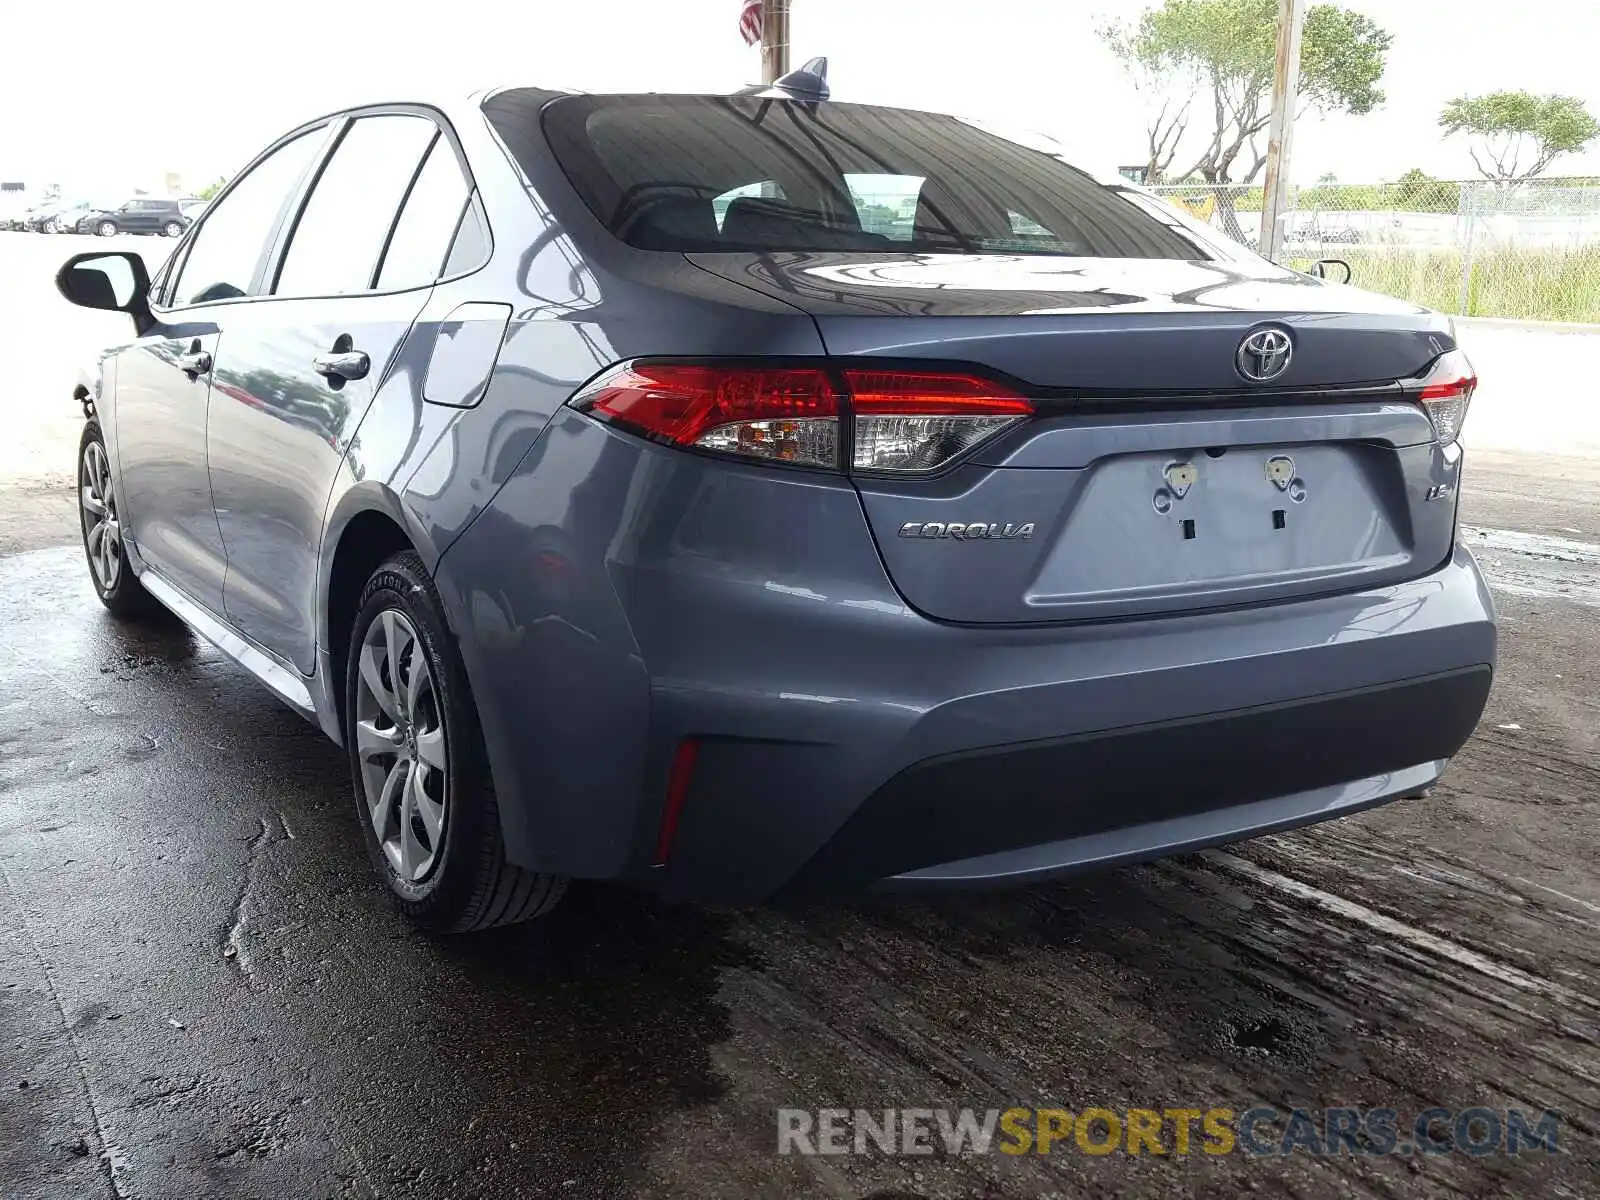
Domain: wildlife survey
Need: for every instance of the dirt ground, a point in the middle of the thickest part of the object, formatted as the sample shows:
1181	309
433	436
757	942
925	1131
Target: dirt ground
203	995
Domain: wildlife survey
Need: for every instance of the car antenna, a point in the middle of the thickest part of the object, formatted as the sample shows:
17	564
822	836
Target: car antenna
809	83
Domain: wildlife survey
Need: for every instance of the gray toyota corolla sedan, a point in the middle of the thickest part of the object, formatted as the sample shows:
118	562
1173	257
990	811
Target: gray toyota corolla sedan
741	496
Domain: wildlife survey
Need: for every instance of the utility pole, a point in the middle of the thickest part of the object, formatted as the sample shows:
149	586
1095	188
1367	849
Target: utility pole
774	39
1285	86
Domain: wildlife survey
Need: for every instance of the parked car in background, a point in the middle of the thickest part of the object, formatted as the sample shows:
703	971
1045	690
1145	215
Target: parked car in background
14	207
68	218
61	216
698	537
12	203
1314	231
38	218
89	220
25	217
144	214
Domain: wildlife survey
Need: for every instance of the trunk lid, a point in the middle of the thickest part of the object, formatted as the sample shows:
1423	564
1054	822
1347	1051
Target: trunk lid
1124	324
1156	478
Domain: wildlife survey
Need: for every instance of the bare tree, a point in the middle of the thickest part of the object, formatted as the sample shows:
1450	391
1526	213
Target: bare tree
1167	91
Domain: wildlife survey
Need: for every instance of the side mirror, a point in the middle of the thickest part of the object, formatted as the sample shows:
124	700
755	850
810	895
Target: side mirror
1319	269
116	282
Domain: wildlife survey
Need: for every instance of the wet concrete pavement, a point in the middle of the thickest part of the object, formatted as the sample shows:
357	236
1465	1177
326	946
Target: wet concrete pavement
201	978
204	994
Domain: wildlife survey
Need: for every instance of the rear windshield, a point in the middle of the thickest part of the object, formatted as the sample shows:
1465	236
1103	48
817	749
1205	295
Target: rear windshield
707	173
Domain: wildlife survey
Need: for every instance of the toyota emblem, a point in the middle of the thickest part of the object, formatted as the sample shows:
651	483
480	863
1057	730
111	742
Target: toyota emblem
1264	355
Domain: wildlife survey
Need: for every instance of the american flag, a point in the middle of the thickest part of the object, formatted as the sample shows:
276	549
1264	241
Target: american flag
750	22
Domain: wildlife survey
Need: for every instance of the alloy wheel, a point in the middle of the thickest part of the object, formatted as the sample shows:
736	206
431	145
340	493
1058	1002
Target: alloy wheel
400	741
102	533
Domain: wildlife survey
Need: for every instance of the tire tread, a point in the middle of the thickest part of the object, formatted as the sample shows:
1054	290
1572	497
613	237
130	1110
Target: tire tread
496	891
505	894
128	598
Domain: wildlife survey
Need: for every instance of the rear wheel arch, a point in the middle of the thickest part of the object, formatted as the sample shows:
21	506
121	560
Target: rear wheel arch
366	526
449	872
366	536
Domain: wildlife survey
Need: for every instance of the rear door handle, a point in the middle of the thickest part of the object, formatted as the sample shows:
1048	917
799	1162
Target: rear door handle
195	364
352	364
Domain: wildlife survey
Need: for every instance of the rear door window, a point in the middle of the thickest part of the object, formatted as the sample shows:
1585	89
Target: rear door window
675	173
416	251
346	220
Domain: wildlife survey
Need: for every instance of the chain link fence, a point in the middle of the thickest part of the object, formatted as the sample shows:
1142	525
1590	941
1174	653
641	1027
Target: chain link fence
1529	251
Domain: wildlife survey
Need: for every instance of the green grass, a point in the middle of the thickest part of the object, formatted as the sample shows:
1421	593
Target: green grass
1558	284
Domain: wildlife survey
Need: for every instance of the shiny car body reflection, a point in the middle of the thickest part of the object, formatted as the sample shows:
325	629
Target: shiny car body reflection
637	392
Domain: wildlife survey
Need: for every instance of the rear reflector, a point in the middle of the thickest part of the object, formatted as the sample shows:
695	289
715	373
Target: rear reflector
678	780
1444	392
905	422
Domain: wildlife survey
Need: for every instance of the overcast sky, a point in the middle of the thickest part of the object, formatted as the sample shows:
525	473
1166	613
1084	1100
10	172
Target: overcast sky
103	95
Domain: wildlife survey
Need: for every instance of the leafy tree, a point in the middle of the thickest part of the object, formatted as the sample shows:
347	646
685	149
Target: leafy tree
877	218
1418	191
1520	134
1226	51
1229	47
211	189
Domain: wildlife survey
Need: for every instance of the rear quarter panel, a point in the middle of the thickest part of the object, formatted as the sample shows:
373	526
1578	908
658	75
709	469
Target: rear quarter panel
550	653
580	301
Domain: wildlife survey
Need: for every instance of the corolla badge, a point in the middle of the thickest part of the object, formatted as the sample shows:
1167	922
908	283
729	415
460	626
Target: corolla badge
965	531
1264	354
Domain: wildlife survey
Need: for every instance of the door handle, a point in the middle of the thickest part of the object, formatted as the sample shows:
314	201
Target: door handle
195	364
351	364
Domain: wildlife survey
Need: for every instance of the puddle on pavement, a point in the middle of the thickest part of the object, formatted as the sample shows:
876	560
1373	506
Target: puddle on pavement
1534	564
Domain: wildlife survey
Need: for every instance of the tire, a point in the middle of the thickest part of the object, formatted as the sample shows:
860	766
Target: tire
109	573
172	229
422	760
105	228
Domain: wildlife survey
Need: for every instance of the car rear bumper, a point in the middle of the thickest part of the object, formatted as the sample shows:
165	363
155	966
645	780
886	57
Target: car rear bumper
997	763
845	741
1125	794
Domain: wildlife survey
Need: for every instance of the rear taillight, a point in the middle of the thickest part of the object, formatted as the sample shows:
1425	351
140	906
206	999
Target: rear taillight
781	414
1444	391
905	422
917	421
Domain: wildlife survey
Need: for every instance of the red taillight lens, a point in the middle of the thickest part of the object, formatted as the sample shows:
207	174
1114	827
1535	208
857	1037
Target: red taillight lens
783	414
1445	391
904	393
906	422
912	421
